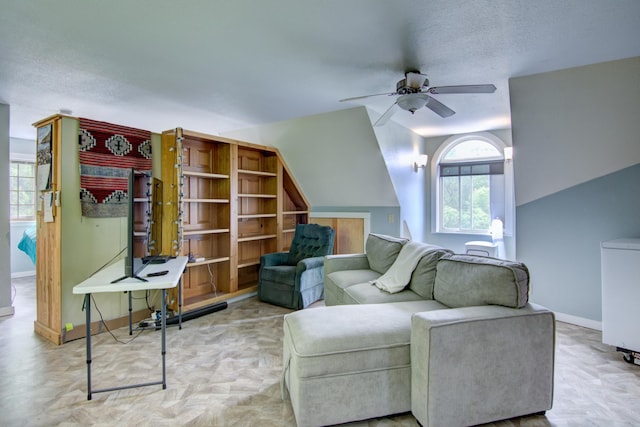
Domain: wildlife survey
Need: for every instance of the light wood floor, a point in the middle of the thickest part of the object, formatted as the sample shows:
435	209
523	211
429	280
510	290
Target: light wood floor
223	369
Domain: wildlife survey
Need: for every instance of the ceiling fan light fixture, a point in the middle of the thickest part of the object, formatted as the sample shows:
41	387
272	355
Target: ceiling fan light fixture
413	101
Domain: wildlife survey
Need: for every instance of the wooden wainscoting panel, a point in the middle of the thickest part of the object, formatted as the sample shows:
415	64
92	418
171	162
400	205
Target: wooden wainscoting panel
349	233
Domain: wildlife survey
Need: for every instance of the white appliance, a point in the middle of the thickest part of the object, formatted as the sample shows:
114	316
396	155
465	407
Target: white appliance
621	296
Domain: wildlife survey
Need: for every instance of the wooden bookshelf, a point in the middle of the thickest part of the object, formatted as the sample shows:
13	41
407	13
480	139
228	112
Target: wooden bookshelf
230	203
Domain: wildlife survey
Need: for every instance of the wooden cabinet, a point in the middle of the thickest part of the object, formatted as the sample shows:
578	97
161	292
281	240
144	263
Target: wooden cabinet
48	322
72	247
229	203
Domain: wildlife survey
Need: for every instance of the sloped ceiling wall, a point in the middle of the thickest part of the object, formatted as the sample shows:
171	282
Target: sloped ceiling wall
575	125
334	156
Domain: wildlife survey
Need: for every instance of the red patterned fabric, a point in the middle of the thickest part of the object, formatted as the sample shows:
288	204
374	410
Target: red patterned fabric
107	154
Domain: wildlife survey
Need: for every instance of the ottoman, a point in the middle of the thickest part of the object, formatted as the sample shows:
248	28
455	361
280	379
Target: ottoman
349	362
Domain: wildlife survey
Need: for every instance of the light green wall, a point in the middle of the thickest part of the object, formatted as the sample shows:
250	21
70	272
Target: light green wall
336	160
87	243
334	157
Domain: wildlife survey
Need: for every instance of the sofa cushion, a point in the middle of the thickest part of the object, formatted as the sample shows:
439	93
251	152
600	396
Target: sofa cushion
344	279
424	275
338	340
348	363
367	293
335	283
468	280
382	251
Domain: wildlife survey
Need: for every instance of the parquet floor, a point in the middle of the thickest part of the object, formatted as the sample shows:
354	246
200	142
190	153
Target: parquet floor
223	369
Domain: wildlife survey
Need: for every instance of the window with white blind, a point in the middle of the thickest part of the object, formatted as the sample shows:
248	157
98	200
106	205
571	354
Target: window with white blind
473	184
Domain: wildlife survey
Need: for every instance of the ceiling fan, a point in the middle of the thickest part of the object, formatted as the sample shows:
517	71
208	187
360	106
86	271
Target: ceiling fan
415	93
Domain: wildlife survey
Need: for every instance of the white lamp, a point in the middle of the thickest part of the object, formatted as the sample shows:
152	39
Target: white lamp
420	162
508	153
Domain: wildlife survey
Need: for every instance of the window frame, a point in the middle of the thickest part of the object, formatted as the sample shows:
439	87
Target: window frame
437	226
17	158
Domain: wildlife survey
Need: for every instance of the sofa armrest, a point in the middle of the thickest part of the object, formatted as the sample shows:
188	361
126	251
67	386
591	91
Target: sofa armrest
275	258
475	365
345	262
309	274
309	263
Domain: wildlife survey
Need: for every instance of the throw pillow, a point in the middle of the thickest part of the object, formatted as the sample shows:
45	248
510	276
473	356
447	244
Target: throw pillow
469	280
382	251
424	275
398	275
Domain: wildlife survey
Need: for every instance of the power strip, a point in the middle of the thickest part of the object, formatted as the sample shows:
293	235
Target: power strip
147	324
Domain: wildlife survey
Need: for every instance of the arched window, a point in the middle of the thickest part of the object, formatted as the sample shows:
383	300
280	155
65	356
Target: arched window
472	184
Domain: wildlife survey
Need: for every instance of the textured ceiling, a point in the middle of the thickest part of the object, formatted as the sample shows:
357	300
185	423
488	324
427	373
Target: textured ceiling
218	66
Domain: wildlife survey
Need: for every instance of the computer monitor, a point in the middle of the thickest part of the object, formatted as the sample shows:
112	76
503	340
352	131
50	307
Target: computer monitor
132	264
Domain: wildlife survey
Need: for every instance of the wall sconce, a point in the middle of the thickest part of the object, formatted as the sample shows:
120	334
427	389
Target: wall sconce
508	153
420	162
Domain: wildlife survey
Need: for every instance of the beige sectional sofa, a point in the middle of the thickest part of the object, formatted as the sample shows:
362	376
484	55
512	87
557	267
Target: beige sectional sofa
458	344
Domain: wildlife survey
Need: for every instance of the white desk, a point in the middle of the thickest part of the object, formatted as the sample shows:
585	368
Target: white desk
101	282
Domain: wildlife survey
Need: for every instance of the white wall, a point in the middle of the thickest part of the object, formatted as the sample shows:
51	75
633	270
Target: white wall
6	307
576	138
399	147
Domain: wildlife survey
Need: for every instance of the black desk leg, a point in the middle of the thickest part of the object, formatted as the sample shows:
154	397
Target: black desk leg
180	304
164	338
130	311
87	306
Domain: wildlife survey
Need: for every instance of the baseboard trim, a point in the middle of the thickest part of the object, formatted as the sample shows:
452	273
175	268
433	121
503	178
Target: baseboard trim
241	297
23	274
7	311
580	321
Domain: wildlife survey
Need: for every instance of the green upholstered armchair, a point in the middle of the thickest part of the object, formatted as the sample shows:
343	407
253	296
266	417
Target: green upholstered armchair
295	279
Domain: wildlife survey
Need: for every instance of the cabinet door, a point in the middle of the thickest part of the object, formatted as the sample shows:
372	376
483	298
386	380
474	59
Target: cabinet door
349	234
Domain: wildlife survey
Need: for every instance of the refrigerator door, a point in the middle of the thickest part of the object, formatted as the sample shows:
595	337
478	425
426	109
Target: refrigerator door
621	293
629	244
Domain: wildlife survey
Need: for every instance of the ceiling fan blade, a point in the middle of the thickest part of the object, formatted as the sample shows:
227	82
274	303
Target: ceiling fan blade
439	108
387	115
367	96
463	89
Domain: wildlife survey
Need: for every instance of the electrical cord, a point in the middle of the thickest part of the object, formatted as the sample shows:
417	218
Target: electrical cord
146	297
118	340
110	261
215	289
